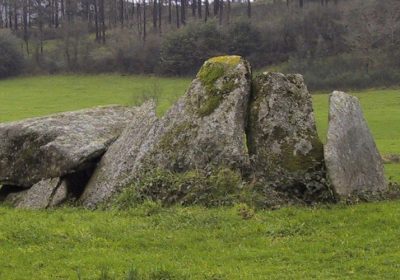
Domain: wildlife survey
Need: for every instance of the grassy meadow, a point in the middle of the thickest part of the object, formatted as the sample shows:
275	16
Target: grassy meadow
150	242
342	242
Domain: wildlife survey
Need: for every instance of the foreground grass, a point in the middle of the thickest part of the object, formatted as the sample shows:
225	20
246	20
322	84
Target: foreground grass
357	242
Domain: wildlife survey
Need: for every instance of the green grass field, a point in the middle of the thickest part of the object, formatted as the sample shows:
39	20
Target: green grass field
342	242
37	96
327	242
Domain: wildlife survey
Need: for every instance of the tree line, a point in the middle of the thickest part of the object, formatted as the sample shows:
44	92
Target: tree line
350	43
32	16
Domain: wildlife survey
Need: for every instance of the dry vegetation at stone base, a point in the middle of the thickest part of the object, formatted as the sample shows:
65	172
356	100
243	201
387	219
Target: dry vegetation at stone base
327	242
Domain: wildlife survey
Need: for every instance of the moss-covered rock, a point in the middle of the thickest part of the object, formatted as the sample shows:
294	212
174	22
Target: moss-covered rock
282	136
218	77
205	127
202	131
53	146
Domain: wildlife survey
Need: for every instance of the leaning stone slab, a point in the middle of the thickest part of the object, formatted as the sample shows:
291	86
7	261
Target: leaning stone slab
353	162
282	135
46	193
115	168
206	127
50	147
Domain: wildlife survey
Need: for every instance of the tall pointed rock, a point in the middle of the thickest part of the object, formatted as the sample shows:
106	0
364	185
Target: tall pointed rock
353	162
206	127
282	135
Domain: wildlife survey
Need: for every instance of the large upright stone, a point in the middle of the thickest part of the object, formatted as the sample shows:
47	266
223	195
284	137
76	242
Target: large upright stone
206	127
115	168
50	147
282	135
352	159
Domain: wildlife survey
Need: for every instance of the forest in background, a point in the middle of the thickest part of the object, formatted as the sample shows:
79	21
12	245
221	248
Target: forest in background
333	43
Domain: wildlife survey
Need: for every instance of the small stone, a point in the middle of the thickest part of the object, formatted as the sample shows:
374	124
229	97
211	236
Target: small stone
39	196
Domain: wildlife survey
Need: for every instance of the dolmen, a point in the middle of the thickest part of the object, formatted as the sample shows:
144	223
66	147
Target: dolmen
261	127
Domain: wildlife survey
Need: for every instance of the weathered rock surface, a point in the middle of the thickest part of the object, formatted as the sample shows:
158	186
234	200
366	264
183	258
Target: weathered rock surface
115	168
206	127
352	159
44	194
50	147
282	135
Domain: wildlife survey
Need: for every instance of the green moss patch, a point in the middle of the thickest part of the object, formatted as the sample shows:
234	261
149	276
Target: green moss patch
231	60
210	73
213	70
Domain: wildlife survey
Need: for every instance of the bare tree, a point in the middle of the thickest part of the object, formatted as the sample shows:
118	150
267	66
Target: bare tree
199	8
170	11
183	12
144	21
177	14
207	10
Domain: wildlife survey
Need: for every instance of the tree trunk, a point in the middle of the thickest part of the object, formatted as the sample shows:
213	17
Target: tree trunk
155	14
221	11
15	15
121	12
25	21
207	10
183	12
216	7
228	12
177	14
199	8
102	22
96	20
144	21
194	3
170	11
160	6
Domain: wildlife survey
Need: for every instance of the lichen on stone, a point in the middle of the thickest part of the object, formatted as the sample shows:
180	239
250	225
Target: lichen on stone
282	135
218	80
226	59
177	137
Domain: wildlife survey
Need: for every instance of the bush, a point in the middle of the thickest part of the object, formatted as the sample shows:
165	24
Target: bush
11	57
244	39
344	71
185	50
